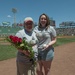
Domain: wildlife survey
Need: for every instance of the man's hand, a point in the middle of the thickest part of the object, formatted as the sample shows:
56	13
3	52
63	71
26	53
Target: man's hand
26	52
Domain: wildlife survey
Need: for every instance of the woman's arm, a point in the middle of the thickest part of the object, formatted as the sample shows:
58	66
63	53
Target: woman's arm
51	42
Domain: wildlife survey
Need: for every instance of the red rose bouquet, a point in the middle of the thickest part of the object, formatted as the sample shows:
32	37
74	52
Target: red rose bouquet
21	44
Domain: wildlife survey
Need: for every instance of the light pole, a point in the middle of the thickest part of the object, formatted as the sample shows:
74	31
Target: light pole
14	10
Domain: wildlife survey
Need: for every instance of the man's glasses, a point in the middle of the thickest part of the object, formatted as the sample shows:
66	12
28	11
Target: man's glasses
29	23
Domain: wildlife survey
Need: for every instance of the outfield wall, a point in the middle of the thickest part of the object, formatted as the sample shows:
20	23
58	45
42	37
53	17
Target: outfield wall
4	31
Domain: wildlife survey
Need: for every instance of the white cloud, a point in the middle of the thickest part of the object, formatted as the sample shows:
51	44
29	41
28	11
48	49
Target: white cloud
8	16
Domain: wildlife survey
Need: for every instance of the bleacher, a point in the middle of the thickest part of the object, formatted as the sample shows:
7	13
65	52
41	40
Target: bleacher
66	31
6	30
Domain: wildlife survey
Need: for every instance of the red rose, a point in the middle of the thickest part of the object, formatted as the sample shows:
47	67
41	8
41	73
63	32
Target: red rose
15	39
20	40
21	44
11	37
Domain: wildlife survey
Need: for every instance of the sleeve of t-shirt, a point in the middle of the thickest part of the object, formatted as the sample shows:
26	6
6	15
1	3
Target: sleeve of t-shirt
53	31
35	36
35	29
18	34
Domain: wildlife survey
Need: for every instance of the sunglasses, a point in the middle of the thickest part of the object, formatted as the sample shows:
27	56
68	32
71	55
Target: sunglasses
29	23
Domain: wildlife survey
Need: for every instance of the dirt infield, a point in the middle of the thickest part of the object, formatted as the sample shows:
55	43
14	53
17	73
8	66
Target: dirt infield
63	63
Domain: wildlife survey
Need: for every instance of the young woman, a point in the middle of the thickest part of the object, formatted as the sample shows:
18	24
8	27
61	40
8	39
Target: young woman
46	35
23	61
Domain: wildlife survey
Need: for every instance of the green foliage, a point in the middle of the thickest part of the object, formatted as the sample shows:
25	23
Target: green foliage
27	46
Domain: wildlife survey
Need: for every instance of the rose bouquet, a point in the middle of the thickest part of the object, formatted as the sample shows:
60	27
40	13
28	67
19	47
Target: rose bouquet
21	44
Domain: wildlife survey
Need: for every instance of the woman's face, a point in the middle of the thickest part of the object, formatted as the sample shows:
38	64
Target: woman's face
43	20
29	26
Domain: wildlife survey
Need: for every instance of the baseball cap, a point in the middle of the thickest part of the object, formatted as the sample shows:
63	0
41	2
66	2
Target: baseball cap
28	20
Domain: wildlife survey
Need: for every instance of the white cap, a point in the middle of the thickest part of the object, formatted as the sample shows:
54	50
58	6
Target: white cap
27	19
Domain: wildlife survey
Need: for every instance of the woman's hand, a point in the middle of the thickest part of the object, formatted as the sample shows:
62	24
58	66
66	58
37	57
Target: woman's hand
45	46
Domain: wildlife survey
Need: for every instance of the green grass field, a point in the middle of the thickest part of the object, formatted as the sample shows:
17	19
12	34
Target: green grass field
8	51
61	41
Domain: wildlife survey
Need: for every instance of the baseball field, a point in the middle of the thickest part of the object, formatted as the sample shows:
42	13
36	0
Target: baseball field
63	63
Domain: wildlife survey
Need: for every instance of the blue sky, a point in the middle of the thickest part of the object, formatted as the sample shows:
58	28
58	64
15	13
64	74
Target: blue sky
59	10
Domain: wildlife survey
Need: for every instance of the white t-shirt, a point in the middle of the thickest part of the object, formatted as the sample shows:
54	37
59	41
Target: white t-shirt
44	36
29	36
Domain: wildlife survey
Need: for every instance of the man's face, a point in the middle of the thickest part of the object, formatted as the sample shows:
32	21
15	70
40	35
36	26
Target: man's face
29	25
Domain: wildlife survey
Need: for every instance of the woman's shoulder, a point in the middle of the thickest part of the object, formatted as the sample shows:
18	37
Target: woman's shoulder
51	27
36	28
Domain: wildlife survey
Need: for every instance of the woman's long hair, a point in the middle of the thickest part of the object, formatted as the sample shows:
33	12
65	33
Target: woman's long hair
48	21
